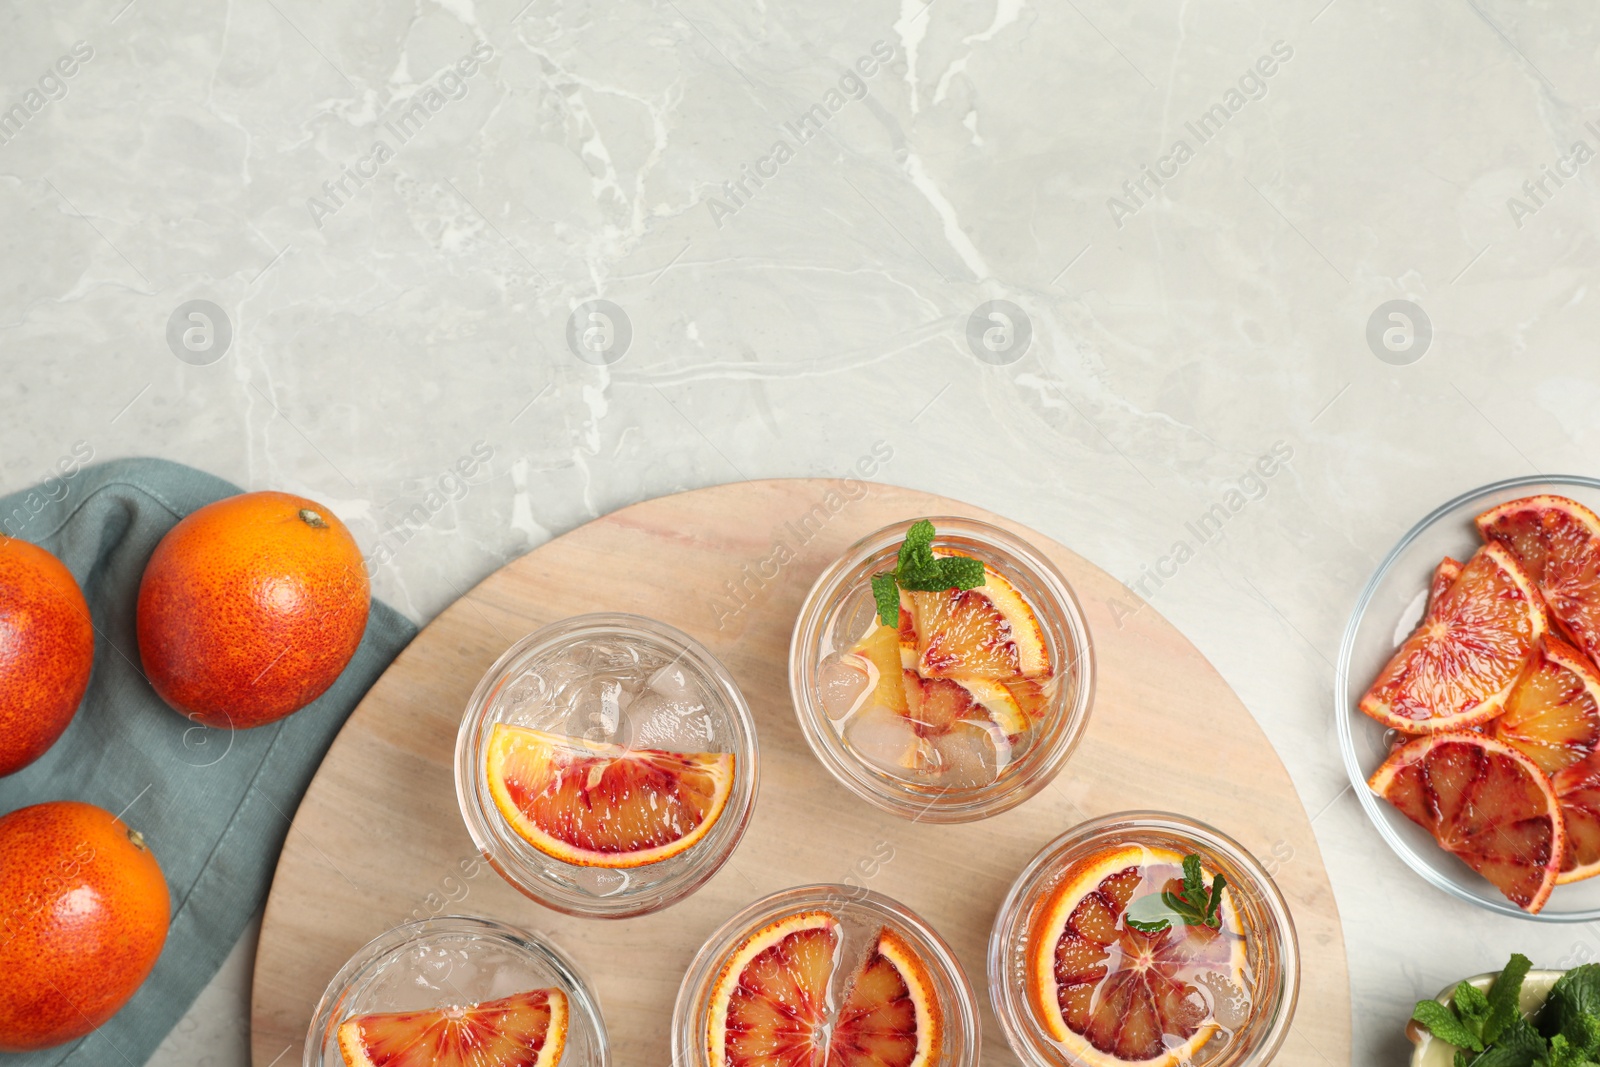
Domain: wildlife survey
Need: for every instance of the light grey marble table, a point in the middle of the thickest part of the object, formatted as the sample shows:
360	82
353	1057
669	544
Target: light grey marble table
1194	218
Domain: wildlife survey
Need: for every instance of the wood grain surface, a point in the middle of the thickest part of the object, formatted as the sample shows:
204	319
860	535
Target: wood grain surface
379	839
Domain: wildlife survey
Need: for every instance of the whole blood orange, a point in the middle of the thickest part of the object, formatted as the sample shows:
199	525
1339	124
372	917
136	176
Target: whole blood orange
83	916
46	651
250	608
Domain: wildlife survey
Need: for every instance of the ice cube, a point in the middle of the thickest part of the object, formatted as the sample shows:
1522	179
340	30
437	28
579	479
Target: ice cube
673	725
886	740
595	709
972	754
843	685
674	682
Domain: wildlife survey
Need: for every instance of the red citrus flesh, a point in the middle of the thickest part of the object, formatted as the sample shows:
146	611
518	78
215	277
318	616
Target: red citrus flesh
601	805
1444	576
1557	541
1457	667
1486	803
989	631
523	1030
1578	789
770	1002
890	1016
1553	712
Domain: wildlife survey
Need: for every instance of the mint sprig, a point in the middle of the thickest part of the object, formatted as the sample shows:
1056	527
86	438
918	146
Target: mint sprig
919	570
1489	1030
1193	905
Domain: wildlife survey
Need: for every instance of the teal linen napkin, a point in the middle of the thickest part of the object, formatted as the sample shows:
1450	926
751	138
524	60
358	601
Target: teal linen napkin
214	805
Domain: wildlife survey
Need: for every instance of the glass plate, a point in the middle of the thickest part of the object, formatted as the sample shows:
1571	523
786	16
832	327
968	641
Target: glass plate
1389	608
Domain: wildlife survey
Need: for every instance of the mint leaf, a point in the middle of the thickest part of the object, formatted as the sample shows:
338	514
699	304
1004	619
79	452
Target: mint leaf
1519	1046
1583	1035
1471	1004
930	579
962	572
1194	883
1149	928
916	551
887	596
1443	1024
1575	994
1504	999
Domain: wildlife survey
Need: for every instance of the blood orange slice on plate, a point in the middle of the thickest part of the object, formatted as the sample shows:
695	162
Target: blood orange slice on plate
1557	541
1444	576
989	631
890	1016
1578	789
601	805
1457	667
1484	802
1113	995
1553	712
769	1005
523	1030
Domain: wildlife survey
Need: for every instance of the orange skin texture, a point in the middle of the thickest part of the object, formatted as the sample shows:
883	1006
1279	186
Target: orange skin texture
248	610
46	651
83	916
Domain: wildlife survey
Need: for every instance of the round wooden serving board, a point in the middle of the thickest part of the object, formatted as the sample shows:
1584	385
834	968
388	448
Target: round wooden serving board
379	840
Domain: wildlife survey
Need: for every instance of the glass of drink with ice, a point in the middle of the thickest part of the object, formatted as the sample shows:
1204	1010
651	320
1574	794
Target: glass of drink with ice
942	670
1144	937
607	765
456	991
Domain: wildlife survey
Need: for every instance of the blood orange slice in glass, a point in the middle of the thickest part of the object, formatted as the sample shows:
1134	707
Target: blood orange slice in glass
523	1030
600	805
769	1005
878	655
1484	802
1457	667
1557	541
1113	995
890	1016
989	631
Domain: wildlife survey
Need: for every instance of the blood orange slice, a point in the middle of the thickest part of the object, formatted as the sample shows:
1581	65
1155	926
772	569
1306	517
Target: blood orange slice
986	632
891	1015
937	704
1578	789
1113	995
1484	802
600	805
1553	712
769	1005
1557	541
1457	667
523	1030
878	654
1444	576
